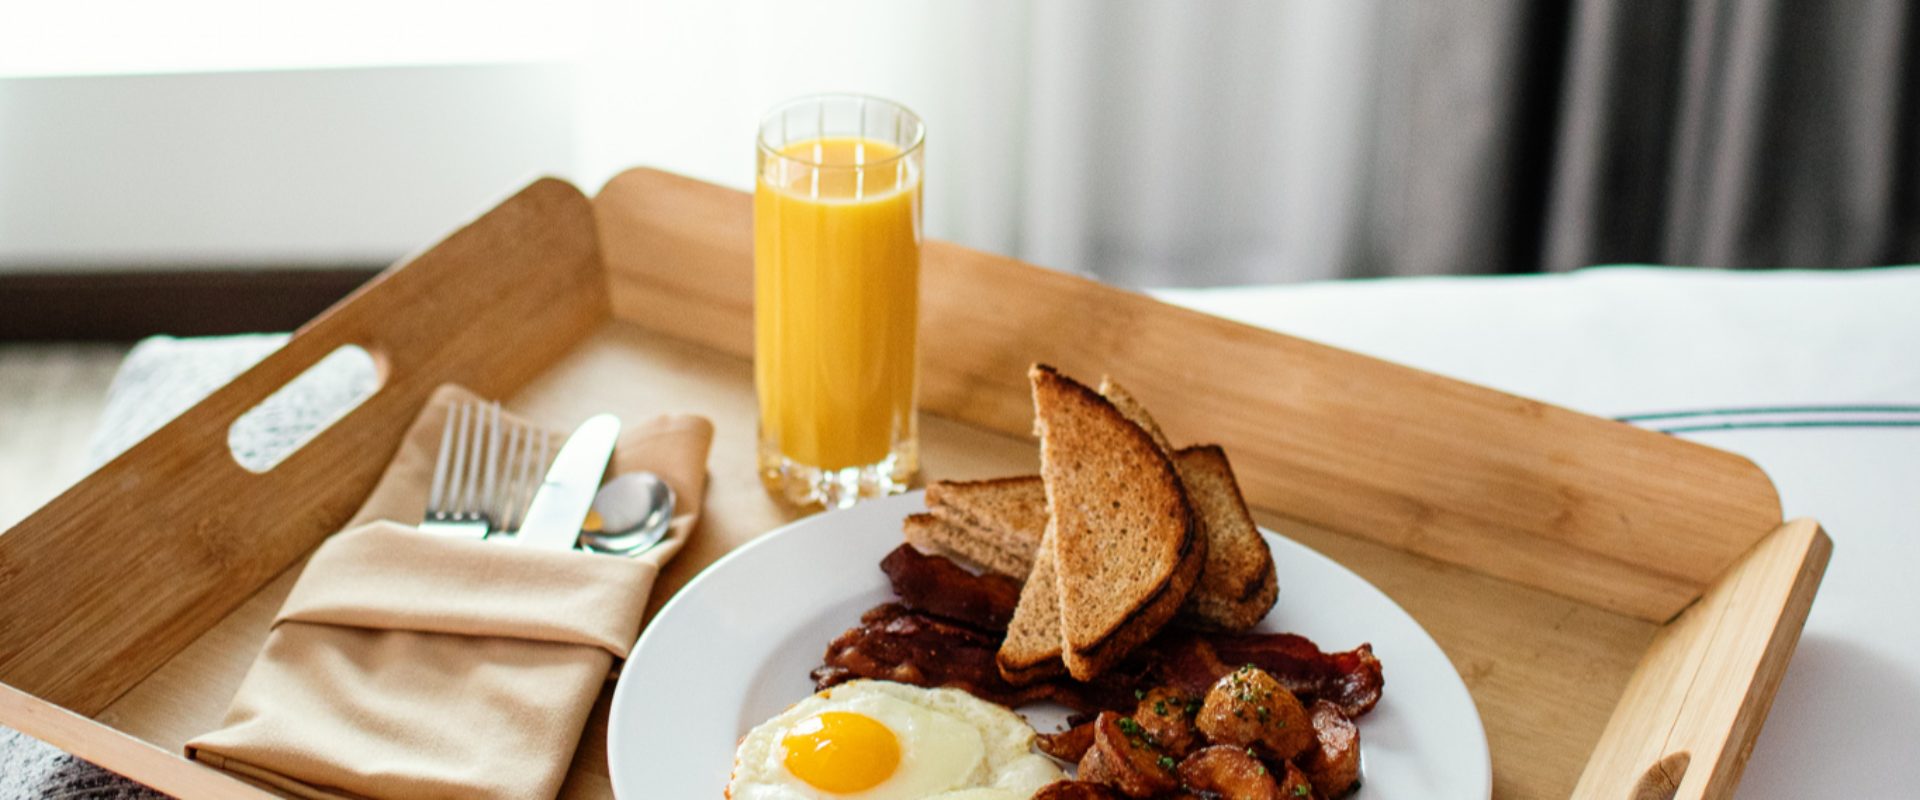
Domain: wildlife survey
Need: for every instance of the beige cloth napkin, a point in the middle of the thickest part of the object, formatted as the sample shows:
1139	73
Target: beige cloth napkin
410	665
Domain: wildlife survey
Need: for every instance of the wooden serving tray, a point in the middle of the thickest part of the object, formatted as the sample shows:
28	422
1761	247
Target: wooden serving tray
1622	604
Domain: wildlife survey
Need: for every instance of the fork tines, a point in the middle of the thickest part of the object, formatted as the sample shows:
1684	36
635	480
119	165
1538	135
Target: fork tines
484	473
524	468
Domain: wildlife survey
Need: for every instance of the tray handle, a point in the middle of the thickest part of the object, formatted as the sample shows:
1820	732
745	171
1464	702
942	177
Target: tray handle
116	575
1662	780
1687	722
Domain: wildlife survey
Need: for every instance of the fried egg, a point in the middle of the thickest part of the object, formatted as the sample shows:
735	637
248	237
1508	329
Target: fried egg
878	740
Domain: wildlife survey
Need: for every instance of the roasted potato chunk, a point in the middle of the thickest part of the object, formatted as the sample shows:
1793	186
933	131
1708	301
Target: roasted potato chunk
1068	745
1167	717
1076	790
1121	757
1249	708
1230	773
1295	784
1333	762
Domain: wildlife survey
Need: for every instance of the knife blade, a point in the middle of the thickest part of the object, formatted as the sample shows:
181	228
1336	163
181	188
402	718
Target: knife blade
560	506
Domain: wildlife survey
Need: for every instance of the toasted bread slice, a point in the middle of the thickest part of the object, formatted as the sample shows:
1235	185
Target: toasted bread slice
1237	586
1031	651
931	534
1002	519
997	524
1131	408
1126	544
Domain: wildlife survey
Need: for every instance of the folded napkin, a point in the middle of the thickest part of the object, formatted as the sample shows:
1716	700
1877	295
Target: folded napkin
412	665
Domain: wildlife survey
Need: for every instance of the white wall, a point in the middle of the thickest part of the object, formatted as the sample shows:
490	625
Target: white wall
1156	141
240	152
137	37
275	167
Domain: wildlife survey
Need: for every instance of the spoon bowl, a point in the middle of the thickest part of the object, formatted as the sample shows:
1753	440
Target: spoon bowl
635	510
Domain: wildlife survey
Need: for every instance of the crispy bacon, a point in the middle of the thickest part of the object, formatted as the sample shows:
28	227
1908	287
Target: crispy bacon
937	586
1351	680
949	622
895	643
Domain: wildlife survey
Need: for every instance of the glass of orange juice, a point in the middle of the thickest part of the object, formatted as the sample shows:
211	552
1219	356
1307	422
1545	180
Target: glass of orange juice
836	259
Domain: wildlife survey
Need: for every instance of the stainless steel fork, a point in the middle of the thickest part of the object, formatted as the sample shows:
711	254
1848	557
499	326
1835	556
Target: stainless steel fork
484	474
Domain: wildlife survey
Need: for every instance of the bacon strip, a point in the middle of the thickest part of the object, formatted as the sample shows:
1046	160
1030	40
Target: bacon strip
1351	680
894	643
1190	662
982	604
937	586
899	644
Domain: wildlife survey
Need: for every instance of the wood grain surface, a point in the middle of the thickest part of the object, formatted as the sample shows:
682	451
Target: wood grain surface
1595	510
1544	670
117	574
129	755
1687	722
1545	550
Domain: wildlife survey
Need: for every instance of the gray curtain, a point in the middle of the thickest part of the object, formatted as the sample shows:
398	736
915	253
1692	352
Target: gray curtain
1247	141
1525	136
1739	134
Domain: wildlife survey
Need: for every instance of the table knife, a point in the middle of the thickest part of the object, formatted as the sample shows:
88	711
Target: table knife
560	506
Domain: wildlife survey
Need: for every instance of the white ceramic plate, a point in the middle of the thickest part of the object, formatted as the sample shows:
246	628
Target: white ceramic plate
735	646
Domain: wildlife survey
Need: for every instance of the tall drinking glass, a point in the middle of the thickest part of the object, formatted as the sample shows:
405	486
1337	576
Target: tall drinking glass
836	258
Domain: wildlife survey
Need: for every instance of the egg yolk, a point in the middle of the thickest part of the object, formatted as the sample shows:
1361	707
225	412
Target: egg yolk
840	751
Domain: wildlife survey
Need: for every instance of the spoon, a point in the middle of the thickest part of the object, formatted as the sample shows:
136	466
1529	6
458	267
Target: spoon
635	511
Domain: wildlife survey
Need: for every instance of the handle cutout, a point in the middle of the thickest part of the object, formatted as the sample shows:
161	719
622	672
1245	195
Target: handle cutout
294	414
1662	780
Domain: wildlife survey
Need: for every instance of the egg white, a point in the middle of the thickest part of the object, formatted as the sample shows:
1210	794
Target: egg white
953	746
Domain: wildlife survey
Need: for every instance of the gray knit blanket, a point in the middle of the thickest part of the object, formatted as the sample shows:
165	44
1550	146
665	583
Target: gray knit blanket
160	378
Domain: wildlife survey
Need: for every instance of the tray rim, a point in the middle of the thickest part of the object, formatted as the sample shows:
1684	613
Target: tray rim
1589	508
1794	553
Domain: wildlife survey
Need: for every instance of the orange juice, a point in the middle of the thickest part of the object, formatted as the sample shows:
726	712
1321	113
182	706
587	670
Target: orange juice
836	302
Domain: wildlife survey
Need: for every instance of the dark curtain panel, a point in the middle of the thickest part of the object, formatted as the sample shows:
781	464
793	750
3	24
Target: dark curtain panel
1514	136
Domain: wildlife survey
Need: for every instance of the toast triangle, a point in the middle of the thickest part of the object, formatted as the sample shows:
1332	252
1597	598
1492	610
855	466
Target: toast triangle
1127	548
